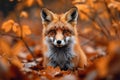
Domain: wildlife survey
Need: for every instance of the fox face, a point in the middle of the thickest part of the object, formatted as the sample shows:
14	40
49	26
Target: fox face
59	30
59	37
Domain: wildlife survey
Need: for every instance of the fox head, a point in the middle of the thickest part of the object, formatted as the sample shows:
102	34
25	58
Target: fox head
59	30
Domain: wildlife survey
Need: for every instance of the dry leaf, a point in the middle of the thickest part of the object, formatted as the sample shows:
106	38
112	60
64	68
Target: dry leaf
29	2
114	4
7	26
17	48
102	66
15	27
40	2
24	31
5	48
24	14
83	7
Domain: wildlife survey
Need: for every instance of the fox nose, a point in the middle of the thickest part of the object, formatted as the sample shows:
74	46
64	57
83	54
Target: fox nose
58	41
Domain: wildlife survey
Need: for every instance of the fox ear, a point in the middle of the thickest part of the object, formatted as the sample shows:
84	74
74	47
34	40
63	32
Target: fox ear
46	15
72	15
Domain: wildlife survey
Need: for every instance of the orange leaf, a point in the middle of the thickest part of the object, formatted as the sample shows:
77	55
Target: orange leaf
24	14
83	7
15	27
17	48
40	2
25	31
29	2
14	60
4	47
7	26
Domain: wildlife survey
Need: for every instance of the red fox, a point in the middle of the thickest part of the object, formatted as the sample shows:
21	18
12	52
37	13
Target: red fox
60	40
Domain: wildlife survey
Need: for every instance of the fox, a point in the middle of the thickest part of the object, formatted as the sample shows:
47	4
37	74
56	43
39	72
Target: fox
61	47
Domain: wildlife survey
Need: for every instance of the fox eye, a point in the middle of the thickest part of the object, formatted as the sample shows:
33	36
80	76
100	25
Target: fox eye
66	32
52	32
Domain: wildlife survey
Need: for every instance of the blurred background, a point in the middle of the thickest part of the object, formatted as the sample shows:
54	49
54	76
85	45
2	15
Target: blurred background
20	39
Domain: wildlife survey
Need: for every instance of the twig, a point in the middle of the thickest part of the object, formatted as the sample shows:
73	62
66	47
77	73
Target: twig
113	19
102	28
24	42
29	49
91	39
78	2
21	37
109	12
11	35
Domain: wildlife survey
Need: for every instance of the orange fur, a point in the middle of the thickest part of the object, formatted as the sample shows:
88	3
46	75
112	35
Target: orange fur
60	26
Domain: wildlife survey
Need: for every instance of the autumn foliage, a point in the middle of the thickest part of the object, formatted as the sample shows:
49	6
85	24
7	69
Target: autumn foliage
20	39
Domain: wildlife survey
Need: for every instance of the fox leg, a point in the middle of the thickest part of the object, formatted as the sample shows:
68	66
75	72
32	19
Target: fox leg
82	59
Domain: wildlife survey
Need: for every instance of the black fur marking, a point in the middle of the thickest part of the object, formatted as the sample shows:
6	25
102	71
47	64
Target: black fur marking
73	16
44	15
